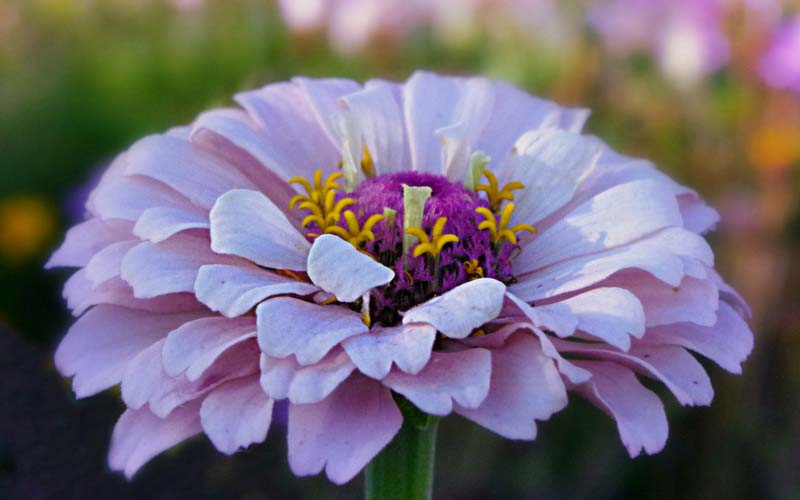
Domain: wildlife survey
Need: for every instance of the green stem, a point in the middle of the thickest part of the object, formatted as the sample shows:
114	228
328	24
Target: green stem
404	469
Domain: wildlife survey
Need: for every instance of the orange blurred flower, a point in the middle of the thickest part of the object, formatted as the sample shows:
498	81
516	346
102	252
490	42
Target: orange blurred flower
774	147
27	225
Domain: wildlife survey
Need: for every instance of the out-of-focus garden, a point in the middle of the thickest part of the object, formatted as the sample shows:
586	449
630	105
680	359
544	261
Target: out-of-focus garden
707	89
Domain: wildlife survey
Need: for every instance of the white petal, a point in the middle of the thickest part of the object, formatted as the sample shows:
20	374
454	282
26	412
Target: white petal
289	326
450	377
246	223
407	346
283	378
611	219
159	223
234	290
236	415
457	312
337	267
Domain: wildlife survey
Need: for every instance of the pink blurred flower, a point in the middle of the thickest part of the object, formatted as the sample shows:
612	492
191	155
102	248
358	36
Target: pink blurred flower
220	272
685	36
780	65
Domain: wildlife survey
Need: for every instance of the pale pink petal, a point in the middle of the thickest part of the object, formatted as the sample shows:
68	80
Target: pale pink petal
289	326
525	387
728	342
99	346
154	269
671	364
613	218
407	346
129	196
234	290
428	103
246	223
283	378
697	216
106	263
457	312
338	267
664	255
236	415
193	347
610	314
146	382
379	119
324	96
159	223
189	170
552	164
639	414
139	435
694	300
83	241
343	432
81	295
283	110
460	377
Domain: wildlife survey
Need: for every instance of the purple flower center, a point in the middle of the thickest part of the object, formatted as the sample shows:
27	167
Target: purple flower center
420	278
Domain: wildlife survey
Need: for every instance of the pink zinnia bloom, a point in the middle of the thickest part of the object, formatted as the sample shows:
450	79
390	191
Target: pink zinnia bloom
780	64
340	245
686	37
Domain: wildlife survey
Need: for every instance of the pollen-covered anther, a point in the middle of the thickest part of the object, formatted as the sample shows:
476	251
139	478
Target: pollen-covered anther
355	233
499	229
473	269
435	243
495	193
320	200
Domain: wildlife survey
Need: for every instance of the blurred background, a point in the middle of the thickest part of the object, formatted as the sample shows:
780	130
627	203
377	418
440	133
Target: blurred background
707	89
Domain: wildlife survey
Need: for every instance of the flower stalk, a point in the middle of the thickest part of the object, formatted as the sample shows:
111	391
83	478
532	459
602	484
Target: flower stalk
404	469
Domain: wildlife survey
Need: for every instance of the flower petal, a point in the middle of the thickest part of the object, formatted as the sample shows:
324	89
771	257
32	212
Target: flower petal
337	267
283	378
139	435
194	346
407	346
236	415
613	218
83	241
289	326
461	377
343	432
159	223
639	414
515	402
198	175
457	312
106	263
99	346
246	223
234	290
154	269
728	343
552	164
610	314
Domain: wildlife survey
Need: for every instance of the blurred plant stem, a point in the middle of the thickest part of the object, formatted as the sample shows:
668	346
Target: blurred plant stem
404	469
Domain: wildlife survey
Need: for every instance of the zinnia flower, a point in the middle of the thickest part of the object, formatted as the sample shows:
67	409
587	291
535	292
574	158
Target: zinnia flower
452	243
780	65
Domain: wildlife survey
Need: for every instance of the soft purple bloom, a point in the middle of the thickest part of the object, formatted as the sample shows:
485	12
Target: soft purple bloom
337	245
780	65
685	36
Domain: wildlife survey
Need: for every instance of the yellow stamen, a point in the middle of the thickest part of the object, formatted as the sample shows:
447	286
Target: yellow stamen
473	269
496	194
320	200
355	233
499	230
434	243
367	165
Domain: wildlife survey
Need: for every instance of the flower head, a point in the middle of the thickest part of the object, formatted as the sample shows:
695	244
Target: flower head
780	66
450	241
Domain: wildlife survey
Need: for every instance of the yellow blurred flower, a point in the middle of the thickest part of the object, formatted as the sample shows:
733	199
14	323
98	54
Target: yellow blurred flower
27	225
774	147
